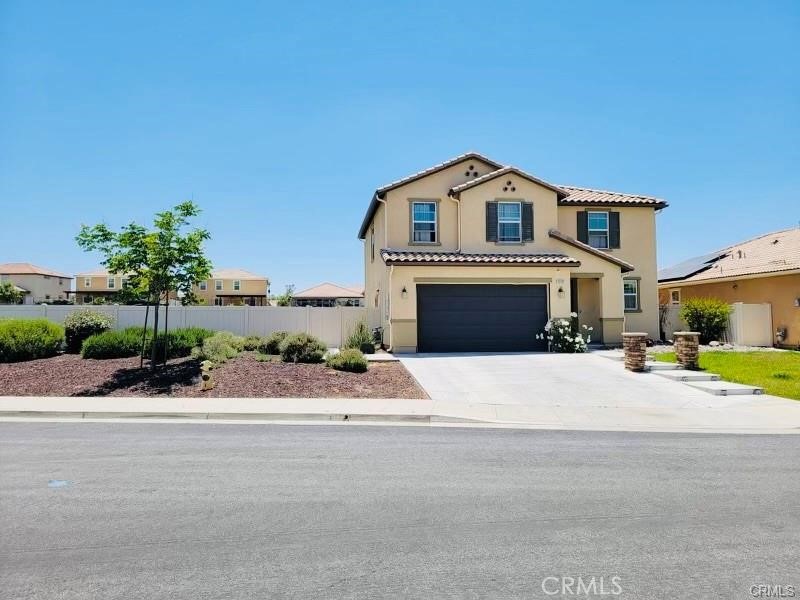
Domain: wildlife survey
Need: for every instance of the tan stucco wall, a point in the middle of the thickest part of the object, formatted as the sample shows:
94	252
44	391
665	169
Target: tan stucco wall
779	291
248	287
40	287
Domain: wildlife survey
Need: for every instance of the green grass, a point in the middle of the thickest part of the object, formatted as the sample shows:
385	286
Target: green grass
777	372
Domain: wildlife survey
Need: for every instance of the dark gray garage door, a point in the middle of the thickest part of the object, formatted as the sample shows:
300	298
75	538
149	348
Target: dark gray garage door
480	318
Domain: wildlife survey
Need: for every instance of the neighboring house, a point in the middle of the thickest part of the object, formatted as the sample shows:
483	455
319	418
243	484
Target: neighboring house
234	287
91	285
765	269
330	294
471	255
38	285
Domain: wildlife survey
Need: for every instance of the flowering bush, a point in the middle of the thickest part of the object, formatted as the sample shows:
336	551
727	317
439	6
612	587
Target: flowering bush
561	337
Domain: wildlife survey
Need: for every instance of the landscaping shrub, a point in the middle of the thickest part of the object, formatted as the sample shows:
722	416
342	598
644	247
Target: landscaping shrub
562	337
272	343
252	342
81	324
361	338
181	341
26	339
113	344
302	348
348	359
707	316
219	348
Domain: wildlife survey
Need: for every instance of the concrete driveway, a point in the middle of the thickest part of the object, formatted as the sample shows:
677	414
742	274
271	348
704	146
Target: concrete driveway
588	391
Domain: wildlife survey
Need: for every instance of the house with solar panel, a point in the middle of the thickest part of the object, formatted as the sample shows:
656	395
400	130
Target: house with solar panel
474	255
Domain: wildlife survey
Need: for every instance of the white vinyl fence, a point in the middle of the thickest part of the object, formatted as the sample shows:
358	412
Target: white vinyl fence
748	325
331	325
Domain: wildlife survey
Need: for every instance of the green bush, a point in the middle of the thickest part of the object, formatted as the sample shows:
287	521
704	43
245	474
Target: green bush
302	348
181	341
219	348
81	324
348	359
252	342
113	344
272	343
361	338
27	339
707	316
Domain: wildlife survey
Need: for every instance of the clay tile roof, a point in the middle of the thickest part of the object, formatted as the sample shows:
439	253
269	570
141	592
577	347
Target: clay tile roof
29	269
240	274
626	266
466	258
455	191
771	253
435	169
331	290
579	195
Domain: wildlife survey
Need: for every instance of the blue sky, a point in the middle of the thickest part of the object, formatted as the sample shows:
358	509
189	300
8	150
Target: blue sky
281	119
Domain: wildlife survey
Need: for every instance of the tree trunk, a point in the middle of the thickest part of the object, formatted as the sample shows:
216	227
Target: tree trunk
154	349
144	334
166	330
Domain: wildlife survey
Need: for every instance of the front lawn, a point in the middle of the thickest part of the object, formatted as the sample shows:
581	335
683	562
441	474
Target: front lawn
777	372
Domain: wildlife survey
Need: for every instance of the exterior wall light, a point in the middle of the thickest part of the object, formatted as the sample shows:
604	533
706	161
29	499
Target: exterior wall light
561	292
404	293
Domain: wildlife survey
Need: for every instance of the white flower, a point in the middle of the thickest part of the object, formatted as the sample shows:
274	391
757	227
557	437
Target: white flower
573	314
548	326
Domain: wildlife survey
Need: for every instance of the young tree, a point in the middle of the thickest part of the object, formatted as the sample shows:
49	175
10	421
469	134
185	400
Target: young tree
156	262
9	294
285	299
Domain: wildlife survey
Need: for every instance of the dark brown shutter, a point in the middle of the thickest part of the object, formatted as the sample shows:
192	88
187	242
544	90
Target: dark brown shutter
491	221
613	230
527	221
583	226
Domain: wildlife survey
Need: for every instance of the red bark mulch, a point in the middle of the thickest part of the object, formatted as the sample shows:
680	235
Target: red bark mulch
242	377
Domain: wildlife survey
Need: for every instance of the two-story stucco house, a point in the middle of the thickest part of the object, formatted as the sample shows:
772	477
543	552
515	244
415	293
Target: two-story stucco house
234	287
37	284
472	255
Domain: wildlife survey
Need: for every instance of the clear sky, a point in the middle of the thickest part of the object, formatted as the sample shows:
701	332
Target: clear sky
281	119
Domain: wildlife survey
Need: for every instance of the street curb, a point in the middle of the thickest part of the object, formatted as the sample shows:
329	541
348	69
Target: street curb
207	416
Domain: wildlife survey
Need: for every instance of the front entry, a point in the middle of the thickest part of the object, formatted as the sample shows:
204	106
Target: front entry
480	318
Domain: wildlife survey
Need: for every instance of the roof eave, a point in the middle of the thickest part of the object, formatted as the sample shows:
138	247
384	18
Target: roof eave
625	267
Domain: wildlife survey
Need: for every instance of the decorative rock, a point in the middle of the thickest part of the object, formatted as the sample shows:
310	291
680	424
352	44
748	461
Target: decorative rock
635	348
687	348
713	343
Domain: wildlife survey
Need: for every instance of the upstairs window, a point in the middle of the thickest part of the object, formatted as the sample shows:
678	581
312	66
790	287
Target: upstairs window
423	223
675	296
218	285
630	291
112	283
203	285
509	222
237	285
87	282
598	230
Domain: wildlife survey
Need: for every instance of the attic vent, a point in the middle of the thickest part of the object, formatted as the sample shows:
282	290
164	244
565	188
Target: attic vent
508	187
471	172
775	241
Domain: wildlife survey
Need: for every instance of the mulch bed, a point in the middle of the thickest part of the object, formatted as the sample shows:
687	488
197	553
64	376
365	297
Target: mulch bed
242	377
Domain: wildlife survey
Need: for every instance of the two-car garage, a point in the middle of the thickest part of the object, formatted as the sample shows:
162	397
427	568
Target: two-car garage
480	317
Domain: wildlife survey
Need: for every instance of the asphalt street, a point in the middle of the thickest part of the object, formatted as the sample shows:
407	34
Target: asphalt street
121	510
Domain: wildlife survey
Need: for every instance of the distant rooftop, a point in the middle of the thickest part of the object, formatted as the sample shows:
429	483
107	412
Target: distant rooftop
331	290
29	269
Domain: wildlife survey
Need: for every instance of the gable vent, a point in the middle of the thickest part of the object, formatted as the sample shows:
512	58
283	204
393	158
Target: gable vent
509	187
471	172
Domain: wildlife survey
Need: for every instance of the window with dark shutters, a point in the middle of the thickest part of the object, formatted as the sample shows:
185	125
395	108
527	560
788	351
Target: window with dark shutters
613	230
583	226
491	221
527	221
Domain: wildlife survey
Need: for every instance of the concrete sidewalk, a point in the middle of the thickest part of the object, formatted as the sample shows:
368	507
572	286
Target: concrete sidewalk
762	414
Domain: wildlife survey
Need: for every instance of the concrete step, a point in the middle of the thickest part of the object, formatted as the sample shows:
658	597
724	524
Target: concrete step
686	375
726	388
652	365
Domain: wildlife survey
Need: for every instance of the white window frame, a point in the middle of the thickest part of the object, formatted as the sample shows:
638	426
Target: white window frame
635	295
435	222
202	286
518	221
87	282
111	283
237	285
672	299
219	285
123	282
606	231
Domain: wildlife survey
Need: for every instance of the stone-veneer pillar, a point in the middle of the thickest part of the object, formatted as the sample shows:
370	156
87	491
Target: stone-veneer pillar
635	347
687	348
